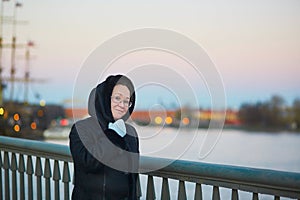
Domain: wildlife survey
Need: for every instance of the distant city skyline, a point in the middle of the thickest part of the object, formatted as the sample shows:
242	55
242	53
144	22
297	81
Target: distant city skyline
254	45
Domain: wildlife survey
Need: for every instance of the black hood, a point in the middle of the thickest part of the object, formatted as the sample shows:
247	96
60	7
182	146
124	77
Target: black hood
99	105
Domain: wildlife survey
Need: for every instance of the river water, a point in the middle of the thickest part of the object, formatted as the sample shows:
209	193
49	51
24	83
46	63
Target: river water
277	151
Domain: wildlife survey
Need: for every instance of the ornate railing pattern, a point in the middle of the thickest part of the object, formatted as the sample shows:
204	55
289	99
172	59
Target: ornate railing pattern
44	162
39	157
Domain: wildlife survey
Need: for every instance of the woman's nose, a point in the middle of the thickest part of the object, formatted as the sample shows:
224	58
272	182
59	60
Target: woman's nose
122	104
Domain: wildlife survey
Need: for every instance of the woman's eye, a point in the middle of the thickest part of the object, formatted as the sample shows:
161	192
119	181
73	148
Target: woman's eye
118	98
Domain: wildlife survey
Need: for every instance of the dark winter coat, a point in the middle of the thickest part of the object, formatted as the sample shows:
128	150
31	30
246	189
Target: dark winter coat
105	164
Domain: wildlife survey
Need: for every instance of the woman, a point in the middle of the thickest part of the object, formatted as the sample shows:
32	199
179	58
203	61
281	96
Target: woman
105	150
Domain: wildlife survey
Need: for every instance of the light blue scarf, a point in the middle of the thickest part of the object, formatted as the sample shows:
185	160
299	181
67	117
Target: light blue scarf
118	126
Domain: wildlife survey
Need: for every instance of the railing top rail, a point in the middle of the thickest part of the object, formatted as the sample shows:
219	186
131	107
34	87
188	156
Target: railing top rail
206	172
35	148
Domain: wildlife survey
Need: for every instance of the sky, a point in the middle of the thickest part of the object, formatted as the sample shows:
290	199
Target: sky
254	46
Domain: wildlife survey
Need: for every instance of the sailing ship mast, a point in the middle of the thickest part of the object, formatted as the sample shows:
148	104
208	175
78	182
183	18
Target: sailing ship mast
13	51
1	67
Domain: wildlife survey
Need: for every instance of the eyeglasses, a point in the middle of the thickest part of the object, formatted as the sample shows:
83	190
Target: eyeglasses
117	99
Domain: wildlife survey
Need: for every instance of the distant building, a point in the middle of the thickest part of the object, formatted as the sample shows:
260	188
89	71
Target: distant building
186	117
78	113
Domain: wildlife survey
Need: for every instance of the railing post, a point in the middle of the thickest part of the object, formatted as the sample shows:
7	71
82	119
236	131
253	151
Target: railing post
66	180
1	182
38	174
56	178
14	168
21	170
276	198
255	196
181	191
6	167
47	176
216	193
165	191
29	172
150	188
198	192
139	189
235	194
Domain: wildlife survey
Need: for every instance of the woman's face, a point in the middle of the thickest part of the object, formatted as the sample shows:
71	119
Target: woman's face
120	101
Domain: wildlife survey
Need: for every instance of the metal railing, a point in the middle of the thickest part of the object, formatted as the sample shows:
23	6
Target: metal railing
43	163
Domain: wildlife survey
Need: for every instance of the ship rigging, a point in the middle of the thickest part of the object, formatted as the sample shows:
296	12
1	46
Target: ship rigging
20	118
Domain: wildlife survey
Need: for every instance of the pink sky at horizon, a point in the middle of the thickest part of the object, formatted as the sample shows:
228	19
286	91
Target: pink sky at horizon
255	45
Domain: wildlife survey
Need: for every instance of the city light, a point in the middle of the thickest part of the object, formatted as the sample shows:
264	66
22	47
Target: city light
168	120
64	122
185	121
17	128
158	120
42	103
33	125
2	111
40	113
16	117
